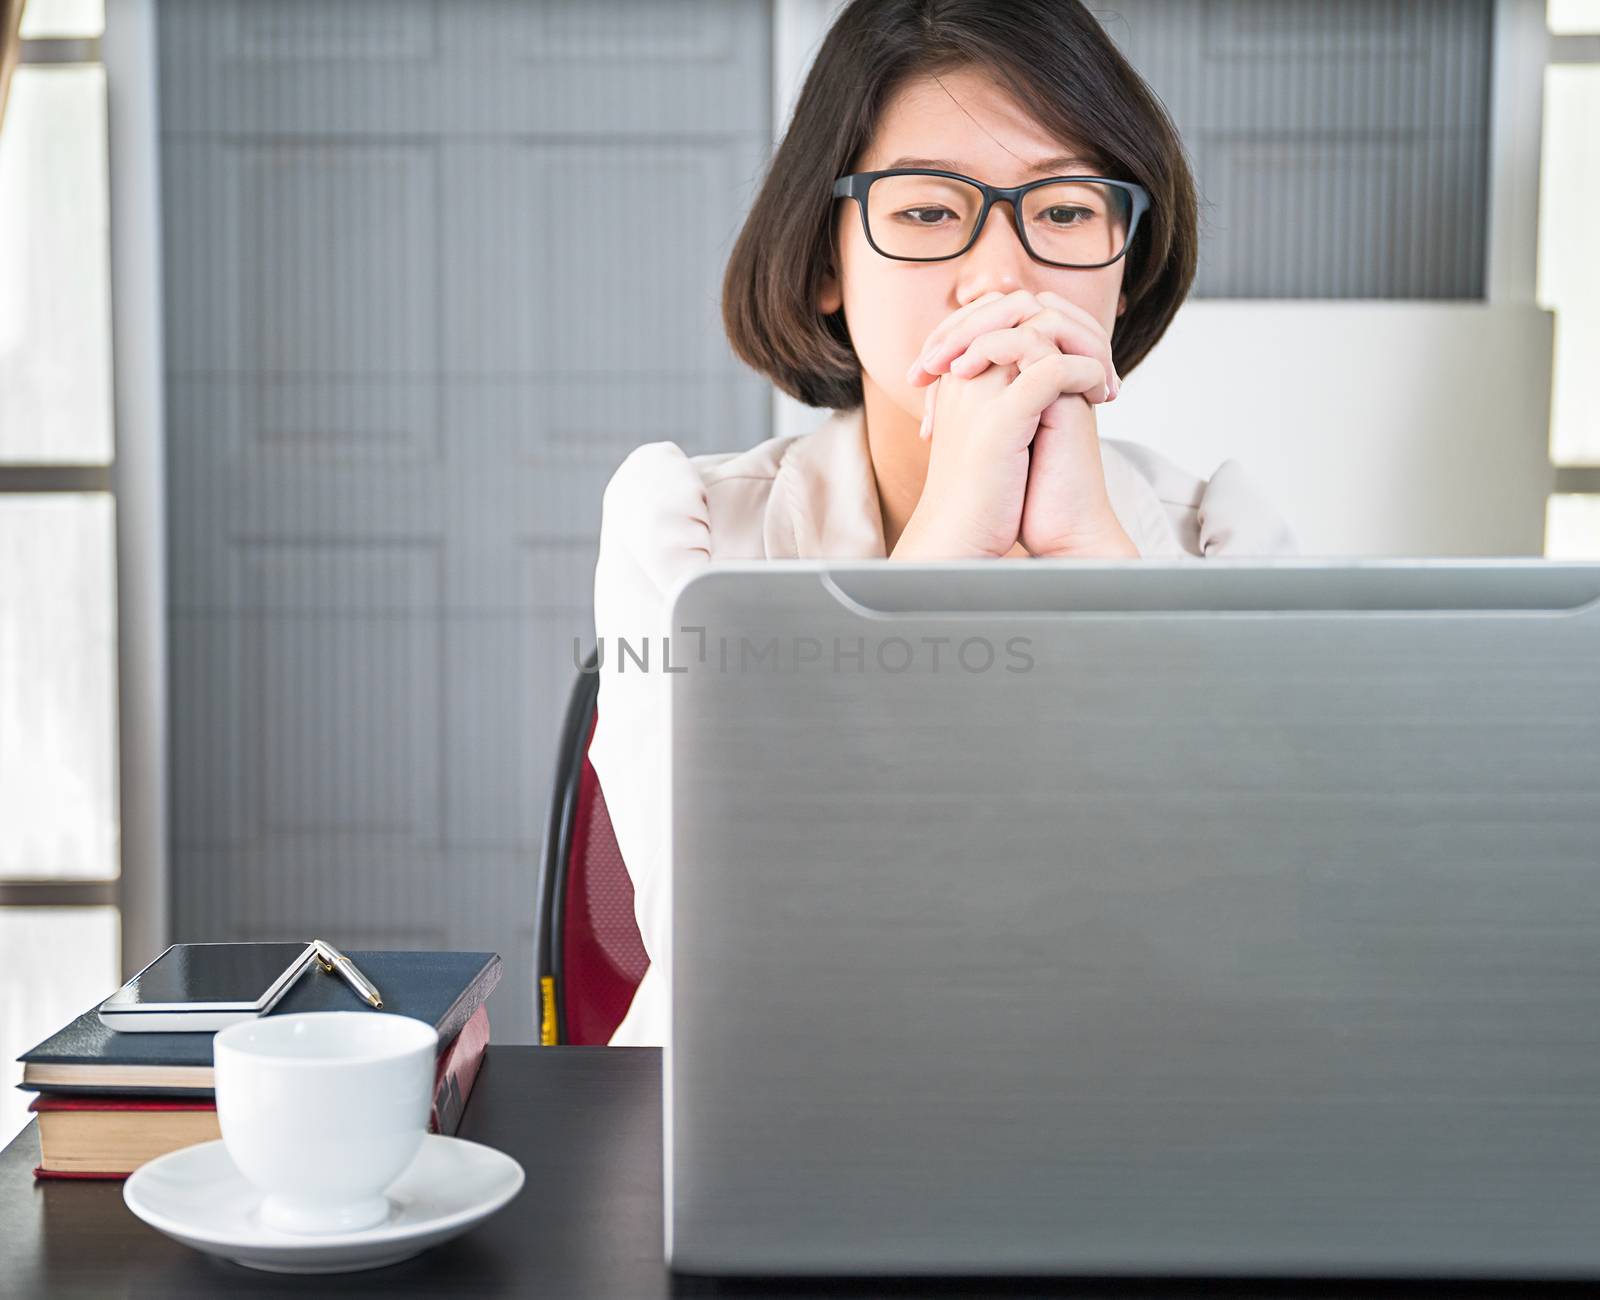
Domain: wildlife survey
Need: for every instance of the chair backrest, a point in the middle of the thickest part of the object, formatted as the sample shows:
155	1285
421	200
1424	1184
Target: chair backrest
590	956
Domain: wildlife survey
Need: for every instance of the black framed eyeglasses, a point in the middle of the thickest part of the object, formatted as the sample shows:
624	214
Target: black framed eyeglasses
917	214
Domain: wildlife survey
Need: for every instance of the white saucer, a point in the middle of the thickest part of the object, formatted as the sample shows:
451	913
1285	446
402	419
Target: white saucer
197	1195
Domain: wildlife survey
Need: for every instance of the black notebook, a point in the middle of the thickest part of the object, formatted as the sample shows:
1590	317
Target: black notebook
442	988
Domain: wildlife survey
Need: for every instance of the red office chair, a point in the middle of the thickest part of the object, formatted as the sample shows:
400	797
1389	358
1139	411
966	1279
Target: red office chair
590	956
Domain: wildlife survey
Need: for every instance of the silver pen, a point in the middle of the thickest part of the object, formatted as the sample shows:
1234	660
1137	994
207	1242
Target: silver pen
333	960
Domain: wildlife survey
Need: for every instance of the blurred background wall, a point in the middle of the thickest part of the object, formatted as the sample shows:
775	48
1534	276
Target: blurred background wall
323	324
432	269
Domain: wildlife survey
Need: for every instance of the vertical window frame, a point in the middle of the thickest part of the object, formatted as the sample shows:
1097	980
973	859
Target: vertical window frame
49	479
1581	48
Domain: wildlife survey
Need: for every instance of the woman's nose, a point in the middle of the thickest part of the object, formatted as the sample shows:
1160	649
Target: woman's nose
997	260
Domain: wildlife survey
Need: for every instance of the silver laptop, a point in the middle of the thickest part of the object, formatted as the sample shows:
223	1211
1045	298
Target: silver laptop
1110	917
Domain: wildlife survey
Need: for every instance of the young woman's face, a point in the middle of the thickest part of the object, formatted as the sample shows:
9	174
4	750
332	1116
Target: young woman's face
964	119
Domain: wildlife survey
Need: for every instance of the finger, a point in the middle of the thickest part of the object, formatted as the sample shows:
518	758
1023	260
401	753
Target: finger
1044	380
1072	330
953	334
1021	347
927	410
1018	346
1055	415
1069	308
1065	305
916	375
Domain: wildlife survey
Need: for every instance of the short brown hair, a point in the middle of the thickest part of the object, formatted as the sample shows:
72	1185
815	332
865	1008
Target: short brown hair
1084	89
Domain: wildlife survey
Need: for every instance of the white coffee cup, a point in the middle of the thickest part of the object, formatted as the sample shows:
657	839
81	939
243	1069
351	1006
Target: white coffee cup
324	1109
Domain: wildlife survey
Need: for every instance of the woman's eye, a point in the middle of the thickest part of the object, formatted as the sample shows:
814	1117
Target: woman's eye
1063	216
920	216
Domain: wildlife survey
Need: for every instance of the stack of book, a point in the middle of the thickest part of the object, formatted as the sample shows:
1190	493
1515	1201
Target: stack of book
110	1101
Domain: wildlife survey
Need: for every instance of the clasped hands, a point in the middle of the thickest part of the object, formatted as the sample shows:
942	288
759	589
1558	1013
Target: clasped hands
1014	453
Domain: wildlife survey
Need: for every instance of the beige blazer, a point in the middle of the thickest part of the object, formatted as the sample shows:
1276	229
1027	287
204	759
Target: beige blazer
811	495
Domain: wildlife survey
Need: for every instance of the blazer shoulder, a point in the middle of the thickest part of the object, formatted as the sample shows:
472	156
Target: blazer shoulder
1171	482
1229	514
751	463
664	465
655	481
662	497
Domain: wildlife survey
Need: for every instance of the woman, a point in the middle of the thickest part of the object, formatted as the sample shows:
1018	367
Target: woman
961	339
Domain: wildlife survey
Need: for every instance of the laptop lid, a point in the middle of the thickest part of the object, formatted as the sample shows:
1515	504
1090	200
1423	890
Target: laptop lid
1135	917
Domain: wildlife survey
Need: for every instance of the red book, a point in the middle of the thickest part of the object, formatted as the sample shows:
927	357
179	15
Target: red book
459	1064
108	1136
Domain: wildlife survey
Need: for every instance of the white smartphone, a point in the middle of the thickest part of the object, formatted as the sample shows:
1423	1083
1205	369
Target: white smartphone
199	987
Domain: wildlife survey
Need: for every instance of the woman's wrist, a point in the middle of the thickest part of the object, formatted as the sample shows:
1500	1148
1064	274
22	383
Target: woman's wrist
918	543
1108	541
912	546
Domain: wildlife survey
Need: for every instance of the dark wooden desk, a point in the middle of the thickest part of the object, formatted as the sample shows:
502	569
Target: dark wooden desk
586	1124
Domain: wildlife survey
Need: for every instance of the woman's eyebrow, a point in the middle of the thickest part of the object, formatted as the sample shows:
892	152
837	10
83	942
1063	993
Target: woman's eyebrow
1044	167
